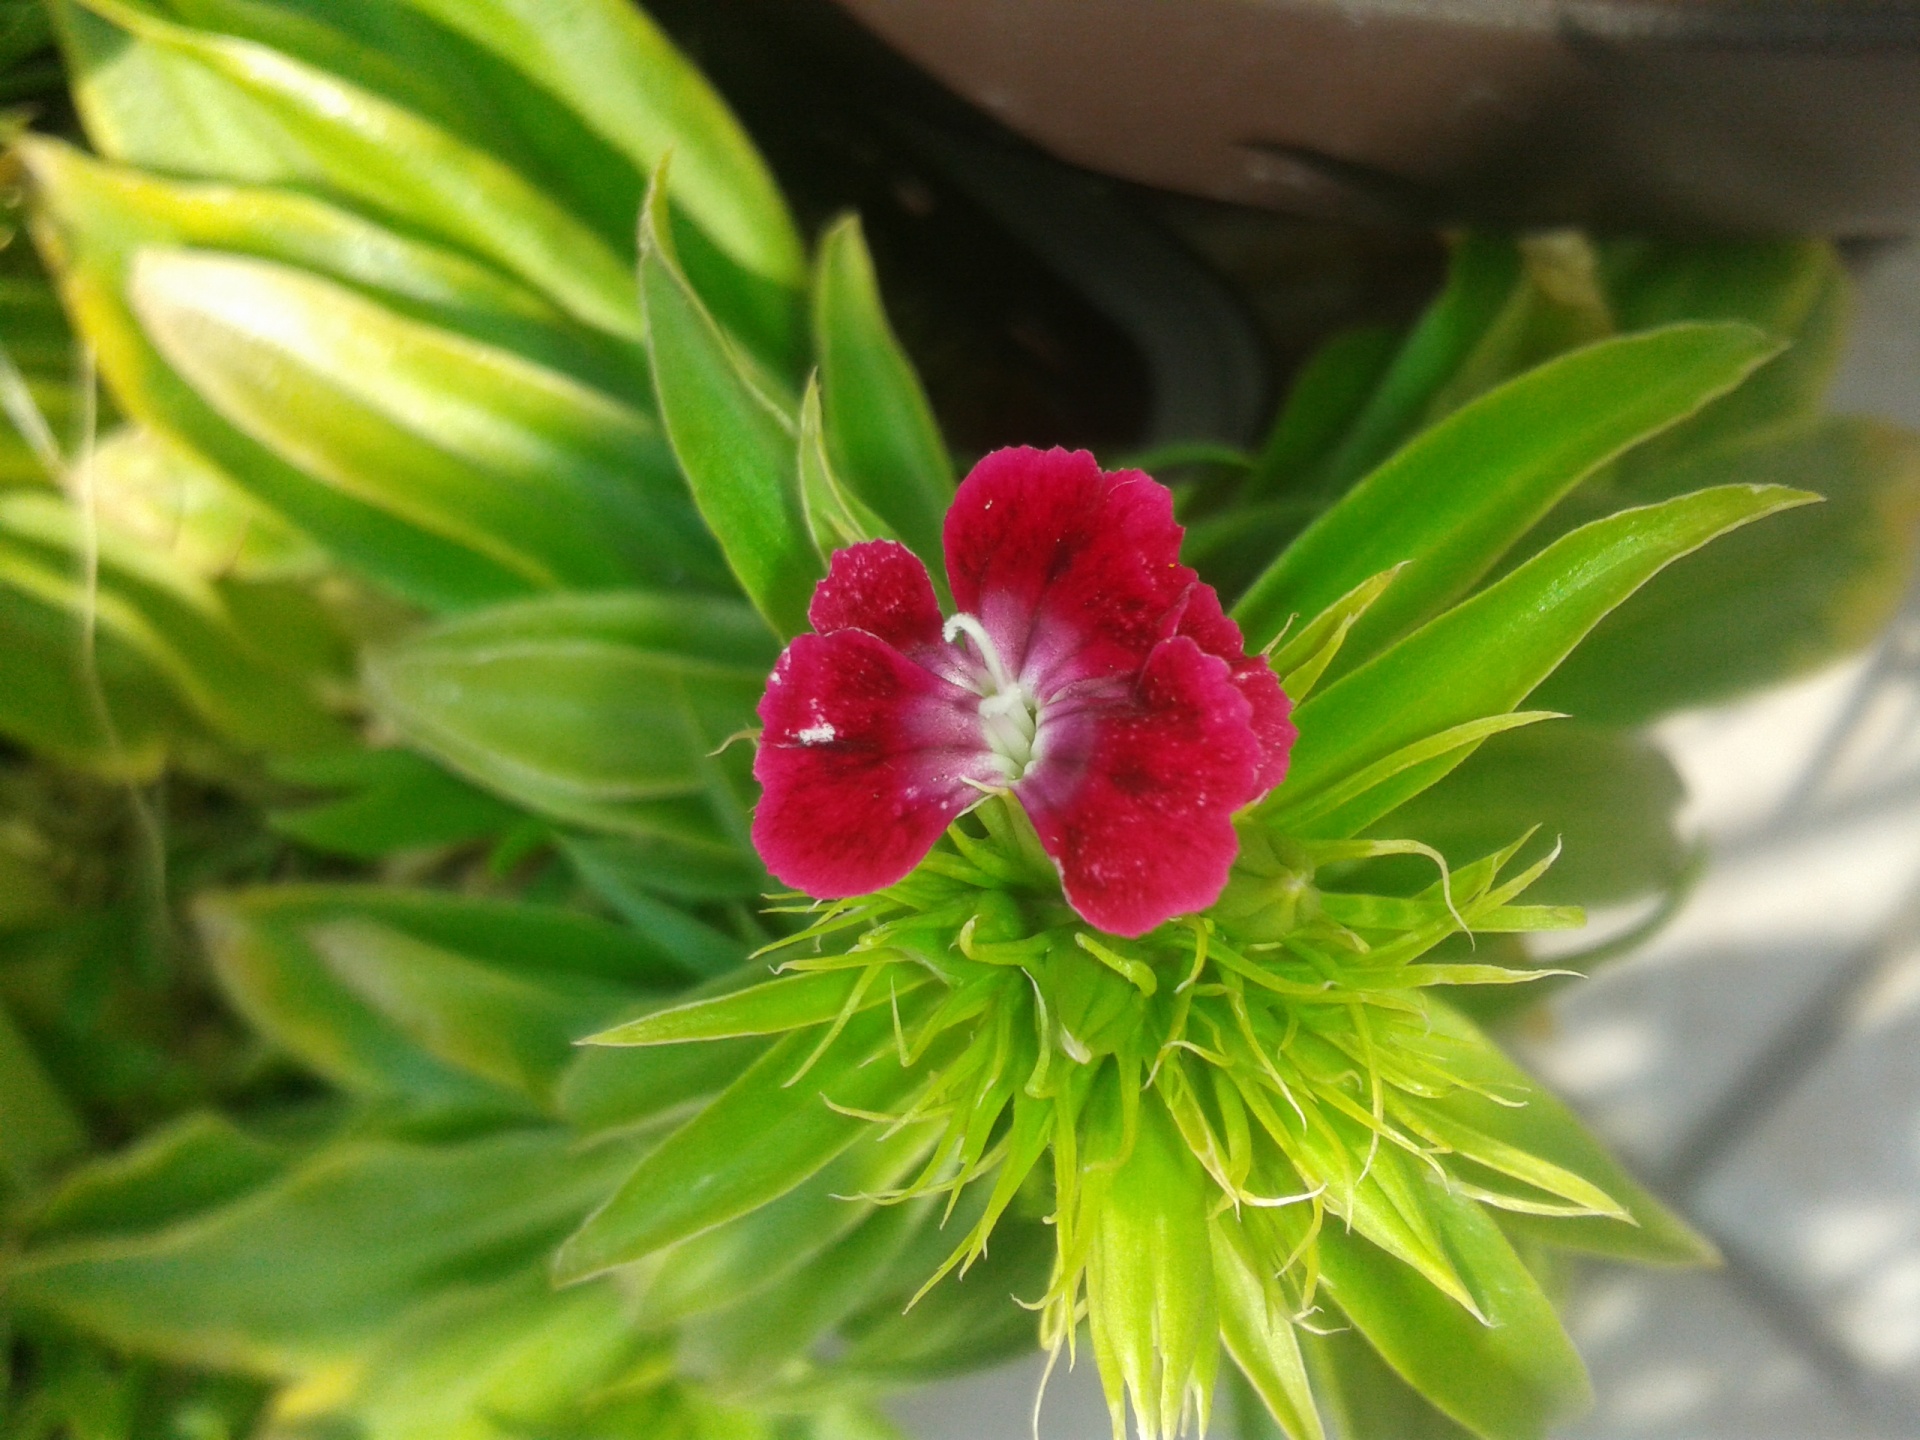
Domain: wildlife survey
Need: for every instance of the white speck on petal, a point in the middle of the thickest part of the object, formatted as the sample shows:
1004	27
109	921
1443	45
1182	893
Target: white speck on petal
815	734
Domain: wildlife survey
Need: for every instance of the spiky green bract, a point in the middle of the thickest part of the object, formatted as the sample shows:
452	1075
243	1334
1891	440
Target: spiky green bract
1201	1108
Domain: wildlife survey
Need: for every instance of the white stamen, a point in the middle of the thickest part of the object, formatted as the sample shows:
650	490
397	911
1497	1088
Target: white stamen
1009	710
964	624
815	734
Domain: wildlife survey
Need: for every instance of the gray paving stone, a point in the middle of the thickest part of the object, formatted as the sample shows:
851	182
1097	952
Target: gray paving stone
998	1405
1680	1357
1825	1195
1650	1045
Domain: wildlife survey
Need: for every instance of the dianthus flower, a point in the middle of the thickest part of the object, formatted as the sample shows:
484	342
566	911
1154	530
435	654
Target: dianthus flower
1088	672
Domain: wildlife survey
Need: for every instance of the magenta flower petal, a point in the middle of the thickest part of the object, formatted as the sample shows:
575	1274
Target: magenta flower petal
864	761
880	587
1213	631
1088	671
1135	798
1064	564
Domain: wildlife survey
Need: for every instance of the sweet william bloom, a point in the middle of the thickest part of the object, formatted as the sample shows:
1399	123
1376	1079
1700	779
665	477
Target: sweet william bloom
1088	672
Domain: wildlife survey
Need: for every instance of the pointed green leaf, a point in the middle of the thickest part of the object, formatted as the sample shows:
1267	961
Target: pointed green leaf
1486	654
302	126
90	235
1321	406
1481	276
1452	502
122	210
1256	1326
556	483
1612	800
764	1135
880	430
1543	1126
1510	1378
614	68
513	1030
1773	603
836	517
1365	1398
189	1165
735	445
385	802
38	1128
284	1279
791	1002
721	1266
178	623
594	709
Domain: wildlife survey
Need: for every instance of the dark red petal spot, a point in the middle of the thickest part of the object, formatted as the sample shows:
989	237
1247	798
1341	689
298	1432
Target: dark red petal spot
881	587
1065	565
1134	797
1208	626
864	761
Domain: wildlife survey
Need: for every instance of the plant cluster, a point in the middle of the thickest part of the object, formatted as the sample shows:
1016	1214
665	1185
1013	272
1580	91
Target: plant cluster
431	427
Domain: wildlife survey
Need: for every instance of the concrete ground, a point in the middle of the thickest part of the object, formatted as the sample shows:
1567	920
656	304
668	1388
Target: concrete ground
1759	1062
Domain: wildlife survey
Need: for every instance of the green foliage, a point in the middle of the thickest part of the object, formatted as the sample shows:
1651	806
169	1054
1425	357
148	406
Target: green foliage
470	477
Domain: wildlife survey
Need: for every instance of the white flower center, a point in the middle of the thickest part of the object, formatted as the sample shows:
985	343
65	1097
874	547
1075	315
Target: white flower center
1009	710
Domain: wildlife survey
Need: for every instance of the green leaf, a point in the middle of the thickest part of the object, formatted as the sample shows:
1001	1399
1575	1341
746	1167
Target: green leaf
1366	1399
390	801
295	125
964	1323
1256	1326
447	1003
1543	1126
1453	501
631	873
1321	406
51	703
619	1089
553	482
880	430
749	1346
724	1265
536	941
122	210
836	517
1486	654
764	1135
514	1357
511	1029
1510	1378
735	445
37	1126
192	1164
615	69
1772	603
1796	290
174	620
1480	279
1150	1294
591	709
792	1002
85	232
284	1279
1611	799
179	506
1301	659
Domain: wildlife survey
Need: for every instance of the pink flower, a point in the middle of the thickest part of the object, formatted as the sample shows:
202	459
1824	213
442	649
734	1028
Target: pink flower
1089	672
